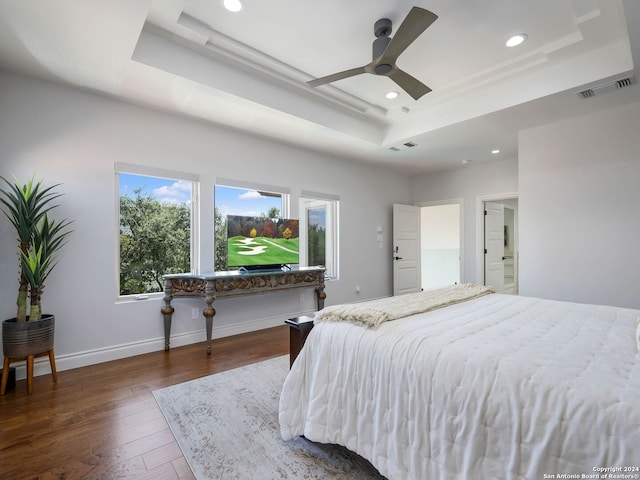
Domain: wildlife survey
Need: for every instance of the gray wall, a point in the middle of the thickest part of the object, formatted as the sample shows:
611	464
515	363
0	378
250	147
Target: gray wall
74	137
579	184
579	216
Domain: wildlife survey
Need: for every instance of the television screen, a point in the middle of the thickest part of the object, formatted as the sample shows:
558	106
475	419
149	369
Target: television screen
259	241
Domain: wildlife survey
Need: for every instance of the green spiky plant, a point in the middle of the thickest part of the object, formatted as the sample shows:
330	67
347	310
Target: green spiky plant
39	239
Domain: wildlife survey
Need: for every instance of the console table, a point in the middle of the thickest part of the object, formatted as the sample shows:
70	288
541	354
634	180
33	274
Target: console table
233	284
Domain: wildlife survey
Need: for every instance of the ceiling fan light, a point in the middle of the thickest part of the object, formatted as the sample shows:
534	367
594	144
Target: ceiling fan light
516	40
391	95
232	5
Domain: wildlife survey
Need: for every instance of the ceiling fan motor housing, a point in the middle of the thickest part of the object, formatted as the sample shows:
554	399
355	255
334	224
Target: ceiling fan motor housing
382	30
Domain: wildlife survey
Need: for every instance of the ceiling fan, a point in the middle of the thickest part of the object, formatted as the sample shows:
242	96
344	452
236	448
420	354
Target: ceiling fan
386	51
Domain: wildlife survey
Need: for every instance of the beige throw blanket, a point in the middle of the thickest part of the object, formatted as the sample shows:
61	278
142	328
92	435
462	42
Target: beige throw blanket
375	312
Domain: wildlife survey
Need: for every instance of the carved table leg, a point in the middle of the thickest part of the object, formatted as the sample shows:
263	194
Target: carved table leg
167	311
320	295
209	312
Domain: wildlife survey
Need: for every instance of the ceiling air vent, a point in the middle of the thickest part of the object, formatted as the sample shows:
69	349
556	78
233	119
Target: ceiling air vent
604	87
625	82
404	146
587	93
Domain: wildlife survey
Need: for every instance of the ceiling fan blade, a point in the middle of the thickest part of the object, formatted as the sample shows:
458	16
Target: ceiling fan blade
336	76
409	84
416	22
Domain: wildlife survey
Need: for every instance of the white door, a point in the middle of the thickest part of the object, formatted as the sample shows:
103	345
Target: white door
494	245
406	249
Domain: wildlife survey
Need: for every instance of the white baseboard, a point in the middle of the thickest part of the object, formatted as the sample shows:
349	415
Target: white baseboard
116	352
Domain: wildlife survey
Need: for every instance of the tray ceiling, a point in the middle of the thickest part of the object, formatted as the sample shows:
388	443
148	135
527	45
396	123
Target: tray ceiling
249	69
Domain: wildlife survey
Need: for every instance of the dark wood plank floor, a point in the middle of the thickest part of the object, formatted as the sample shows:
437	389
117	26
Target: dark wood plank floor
102	421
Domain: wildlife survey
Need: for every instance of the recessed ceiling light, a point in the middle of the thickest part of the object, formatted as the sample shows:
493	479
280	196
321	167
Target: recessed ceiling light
516	40
391	95
466	161
232	5
495	151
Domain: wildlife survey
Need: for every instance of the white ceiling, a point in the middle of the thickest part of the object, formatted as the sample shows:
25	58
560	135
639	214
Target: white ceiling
248	70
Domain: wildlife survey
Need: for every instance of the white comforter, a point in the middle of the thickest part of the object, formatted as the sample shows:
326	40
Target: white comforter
499	387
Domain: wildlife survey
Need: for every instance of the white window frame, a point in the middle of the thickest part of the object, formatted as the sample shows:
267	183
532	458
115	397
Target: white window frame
284	192
142	170
307	200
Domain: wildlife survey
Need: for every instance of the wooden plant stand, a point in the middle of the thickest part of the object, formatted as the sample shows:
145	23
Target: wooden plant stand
30	360
26	341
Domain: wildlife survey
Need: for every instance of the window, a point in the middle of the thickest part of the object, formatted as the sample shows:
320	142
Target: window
317	215
158	231
319	231
246	199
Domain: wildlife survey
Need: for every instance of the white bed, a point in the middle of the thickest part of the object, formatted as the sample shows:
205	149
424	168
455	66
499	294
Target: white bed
497	387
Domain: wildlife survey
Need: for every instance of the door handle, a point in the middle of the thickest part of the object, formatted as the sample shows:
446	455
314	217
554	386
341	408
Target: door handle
398	258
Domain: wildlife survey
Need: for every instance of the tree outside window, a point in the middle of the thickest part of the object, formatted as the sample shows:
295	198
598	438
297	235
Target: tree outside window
319	232
317	235
155	231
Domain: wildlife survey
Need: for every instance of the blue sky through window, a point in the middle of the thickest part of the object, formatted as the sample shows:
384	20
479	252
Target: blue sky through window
229	200
163	189
317	216
240	201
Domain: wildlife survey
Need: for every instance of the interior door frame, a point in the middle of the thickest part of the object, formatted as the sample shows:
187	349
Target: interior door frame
460	203
480	199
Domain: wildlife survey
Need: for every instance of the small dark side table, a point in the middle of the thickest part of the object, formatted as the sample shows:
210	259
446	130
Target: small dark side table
299	328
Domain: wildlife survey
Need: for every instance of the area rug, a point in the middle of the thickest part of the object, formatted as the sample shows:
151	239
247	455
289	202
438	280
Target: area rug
227	427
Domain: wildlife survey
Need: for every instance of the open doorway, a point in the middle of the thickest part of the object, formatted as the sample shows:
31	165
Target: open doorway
440	243
499	251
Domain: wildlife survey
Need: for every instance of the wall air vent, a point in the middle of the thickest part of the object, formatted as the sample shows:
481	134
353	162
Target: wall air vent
604	87
395	149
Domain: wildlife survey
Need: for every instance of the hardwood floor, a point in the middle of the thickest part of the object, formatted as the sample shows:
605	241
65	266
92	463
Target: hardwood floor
102	421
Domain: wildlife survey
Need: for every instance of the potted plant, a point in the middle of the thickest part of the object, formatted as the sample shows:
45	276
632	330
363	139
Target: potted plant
39	239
